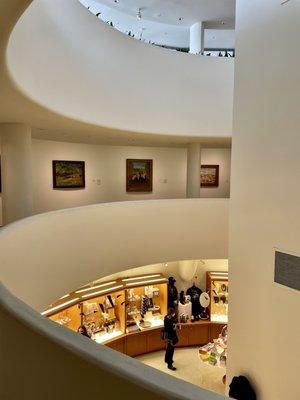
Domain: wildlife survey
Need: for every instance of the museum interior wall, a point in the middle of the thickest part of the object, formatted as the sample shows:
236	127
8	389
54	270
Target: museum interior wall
265	197
105	168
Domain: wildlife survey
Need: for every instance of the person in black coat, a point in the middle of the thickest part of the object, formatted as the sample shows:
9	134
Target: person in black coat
171	336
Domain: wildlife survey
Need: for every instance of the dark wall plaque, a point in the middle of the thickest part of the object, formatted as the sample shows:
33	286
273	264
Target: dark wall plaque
287	270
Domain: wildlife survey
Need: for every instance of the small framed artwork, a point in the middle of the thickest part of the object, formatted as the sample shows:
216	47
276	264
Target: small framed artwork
138	175
209	175
68	174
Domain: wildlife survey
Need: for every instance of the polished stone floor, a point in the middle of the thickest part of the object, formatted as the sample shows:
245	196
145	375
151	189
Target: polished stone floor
189	368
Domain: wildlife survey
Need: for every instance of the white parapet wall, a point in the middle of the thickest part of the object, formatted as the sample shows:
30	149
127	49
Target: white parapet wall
48	255
79	67
45	256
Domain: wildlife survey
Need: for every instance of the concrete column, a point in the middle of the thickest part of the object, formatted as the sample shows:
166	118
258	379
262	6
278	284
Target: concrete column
16	171
197	38
193	170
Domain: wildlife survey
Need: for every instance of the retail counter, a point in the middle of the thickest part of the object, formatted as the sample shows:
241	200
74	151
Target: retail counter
148	340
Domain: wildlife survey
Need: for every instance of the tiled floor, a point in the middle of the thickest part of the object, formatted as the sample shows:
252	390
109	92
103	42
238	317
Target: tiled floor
189	368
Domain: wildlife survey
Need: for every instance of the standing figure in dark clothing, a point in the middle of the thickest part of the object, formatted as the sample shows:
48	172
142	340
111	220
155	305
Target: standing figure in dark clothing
171	336
195	294
172	293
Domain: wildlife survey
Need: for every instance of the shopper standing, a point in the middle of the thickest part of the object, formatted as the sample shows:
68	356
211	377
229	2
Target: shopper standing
171	336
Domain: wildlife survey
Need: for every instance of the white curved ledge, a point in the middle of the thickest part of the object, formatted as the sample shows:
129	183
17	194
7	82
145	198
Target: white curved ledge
47	255
44	256
82	69
90	361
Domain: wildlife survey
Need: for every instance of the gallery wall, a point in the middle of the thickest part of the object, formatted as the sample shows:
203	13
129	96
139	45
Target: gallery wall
105	168
265	198
106	173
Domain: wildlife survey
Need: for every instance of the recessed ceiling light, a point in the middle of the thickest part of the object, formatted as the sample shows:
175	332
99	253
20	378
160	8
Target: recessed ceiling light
180	19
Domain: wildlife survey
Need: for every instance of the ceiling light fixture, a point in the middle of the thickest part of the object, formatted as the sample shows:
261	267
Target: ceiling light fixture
59	306
102	291
95	287
144	282
140	277
139	14
65	296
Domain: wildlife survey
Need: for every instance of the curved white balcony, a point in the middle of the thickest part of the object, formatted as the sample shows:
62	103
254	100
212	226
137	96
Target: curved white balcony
44	256
80	68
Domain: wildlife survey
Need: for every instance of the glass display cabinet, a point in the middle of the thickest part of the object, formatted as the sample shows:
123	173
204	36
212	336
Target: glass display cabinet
217	287
146	302
102	312
109	310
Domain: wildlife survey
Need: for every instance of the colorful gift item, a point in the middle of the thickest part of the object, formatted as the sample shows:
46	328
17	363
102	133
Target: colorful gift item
215	353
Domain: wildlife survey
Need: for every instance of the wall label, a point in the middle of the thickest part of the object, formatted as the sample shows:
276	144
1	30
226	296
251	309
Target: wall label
287	270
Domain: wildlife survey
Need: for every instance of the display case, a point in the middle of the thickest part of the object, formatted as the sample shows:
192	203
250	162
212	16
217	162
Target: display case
109	310
127	314
102	312
146	303
217	287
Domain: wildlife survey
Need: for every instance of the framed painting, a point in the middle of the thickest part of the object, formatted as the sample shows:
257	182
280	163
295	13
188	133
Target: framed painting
68	174
209	175
138	175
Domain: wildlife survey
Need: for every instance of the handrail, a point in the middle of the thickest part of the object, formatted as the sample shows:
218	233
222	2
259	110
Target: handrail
100	357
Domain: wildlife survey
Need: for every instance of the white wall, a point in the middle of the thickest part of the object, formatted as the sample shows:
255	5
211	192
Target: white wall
45	256
265	198
107	163
80	68
221	157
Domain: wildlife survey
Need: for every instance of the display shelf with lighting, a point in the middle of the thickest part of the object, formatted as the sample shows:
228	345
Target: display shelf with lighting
100	308
127	314
217	287
146	302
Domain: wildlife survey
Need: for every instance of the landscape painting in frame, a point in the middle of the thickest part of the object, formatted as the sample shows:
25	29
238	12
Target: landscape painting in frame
68	174
209	175
138	175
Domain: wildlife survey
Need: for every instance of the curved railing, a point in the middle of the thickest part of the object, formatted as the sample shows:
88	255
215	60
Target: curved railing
80	68
47	255
45	360
44	256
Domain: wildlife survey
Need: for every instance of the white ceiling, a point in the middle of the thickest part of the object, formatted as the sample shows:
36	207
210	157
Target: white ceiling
160	20
170	11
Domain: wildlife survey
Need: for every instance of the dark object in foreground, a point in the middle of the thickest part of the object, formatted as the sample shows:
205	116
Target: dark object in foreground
241	389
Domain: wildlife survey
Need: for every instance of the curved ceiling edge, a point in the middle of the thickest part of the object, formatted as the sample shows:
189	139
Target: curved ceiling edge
83	70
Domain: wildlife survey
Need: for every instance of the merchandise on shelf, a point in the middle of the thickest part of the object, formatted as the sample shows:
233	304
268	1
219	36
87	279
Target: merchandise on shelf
217	286
145	307
215	353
